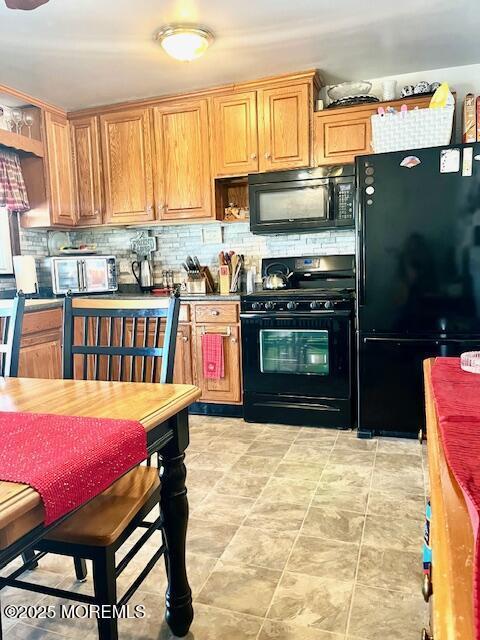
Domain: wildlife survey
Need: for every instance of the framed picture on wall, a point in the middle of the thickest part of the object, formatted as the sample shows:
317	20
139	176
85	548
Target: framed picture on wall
6	262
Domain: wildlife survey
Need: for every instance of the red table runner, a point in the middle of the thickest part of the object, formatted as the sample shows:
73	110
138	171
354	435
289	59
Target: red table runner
457	399
67	459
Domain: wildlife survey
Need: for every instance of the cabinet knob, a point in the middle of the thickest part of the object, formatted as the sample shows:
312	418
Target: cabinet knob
234	340
253	156
149	209
96	212
215	312
268	155
185	338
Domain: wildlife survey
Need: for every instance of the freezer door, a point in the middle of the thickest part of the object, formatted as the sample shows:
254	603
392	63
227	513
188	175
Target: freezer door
418	244
390	385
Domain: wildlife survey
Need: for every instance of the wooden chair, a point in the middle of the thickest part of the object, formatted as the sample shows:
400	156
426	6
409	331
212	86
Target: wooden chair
113	340
119	339
11	319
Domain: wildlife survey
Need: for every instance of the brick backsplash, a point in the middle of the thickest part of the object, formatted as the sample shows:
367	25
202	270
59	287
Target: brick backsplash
174	243
32	243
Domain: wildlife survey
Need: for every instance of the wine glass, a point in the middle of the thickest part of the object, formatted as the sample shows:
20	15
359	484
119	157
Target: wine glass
17	117
28	122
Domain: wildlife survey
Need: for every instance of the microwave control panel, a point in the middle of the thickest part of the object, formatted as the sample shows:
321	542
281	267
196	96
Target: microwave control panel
112	273
345	198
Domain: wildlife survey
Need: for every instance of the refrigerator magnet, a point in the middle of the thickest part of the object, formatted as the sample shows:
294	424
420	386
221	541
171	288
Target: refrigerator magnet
467	161
410	162
449	160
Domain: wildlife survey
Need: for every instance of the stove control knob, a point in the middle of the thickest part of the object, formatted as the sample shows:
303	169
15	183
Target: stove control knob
328	304
269	306
292	305
256	306
315	305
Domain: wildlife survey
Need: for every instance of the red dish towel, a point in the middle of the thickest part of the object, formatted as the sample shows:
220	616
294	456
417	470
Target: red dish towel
457	399
212	356
67	459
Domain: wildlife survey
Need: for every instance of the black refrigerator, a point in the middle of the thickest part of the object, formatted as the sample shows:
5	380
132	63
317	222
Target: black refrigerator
418	276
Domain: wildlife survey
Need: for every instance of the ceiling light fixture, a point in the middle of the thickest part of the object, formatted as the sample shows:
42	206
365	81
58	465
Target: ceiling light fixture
184	42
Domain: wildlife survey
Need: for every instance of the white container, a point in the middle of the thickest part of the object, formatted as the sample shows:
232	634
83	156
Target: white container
25	274
413	129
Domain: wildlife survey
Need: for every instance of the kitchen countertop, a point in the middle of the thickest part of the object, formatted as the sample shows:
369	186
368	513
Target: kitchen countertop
42	304
49	301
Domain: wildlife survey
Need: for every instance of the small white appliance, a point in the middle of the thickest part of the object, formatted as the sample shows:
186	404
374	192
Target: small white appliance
25	274
84	274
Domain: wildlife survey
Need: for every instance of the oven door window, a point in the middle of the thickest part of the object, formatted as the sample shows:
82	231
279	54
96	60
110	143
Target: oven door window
67	276
294	351
96	276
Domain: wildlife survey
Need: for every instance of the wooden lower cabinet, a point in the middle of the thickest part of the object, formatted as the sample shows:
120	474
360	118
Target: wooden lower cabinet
41	346
228	390
41	349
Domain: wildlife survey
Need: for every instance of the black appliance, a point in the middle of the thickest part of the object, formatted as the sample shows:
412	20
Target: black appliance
418	276
297	344
302	200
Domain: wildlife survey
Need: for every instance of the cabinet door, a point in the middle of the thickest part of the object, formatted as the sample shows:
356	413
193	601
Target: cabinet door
59	170
87	170
183	180
127	165
339	137
234	134
41	344
227	390
285	130
41	356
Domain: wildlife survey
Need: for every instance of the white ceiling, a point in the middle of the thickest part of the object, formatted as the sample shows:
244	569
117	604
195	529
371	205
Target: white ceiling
78	53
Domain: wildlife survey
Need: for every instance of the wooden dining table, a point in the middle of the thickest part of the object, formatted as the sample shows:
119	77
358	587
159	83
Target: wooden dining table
452	538
162	409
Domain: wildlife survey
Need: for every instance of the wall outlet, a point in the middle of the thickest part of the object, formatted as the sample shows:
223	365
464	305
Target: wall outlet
212	235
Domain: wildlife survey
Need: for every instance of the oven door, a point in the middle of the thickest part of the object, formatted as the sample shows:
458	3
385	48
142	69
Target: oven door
302	355
299	205
67	276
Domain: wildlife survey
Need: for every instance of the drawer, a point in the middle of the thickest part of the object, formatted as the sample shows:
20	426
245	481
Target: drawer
38	321
220	312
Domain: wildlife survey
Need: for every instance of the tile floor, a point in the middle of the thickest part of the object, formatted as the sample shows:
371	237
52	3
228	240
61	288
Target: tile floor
294	534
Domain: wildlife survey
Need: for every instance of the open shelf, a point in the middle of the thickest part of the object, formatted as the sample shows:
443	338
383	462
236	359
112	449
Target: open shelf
231	190
21	143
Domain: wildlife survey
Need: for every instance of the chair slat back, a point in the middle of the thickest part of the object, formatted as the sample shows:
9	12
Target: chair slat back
115	339
11	320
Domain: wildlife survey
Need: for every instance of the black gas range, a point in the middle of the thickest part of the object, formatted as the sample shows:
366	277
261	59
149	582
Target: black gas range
298	343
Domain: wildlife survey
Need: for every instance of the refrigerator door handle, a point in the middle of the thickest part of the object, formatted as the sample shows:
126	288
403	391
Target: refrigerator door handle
361	251
412	341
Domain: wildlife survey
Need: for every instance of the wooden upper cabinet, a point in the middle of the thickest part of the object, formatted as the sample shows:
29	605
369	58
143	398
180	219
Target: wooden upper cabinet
285	128
87	170
340	134
59	170
183	180
127	166
234	134
339	137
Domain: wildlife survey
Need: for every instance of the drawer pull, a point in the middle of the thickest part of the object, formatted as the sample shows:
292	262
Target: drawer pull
426	635
215	312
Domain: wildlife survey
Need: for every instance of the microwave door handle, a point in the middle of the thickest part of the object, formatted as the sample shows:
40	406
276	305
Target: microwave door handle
331	214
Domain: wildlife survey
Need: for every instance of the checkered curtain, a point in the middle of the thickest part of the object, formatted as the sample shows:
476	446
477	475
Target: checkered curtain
13	194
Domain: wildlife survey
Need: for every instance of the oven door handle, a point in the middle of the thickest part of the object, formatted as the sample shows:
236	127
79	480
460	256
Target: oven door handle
291	316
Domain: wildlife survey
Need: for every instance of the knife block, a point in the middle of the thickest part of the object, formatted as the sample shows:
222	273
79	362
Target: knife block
197	286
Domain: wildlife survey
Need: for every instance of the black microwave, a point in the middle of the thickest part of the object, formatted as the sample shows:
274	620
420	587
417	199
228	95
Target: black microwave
302	200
